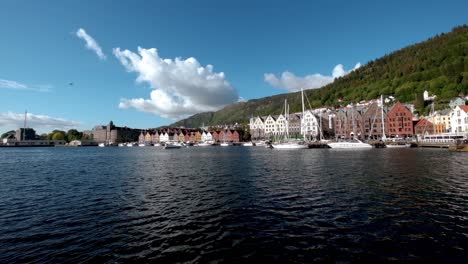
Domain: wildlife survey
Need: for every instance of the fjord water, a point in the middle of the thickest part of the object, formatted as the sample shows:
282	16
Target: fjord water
232	204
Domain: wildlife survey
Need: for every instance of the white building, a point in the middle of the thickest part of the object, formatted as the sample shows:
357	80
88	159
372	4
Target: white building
309	124
206	136
270	125
256	123
459	119
164	137
281	125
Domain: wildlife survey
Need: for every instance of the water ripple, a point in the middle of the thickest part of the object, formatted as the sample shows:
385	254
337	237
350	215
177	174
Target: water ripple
232	205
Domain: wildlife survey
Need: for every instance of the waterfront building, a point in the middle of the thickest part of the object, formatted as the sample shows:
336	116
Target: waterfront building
215	136
148	138
235	136
181	137
400	122
424	127
141	137
25	134
340	124
294	125
280	127
206	136
459	119
198	136
257	127
112	134
270	125
441	121
164	137
155	137
309	125
348	124
372	122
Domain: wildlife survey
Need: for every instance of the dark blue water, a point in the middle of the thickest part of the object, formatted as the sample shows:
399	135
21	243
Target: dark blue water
232	205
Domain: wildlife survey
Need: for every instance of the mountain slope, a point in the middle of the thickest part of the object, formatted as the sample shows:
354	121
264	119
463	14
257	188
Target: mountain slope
439	65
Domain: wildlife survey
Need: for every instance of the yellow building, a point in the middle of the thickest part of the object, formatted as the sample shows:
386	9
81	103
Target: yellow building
441	121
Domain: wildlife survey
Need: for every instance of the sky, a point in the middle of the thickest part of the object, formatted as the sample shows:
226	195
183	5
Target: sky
142	64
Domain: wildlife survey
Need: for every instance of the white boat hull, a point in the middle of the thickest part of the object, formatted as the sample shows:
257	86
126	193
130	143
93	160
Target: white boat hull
170	146
398	145
248	144
290	146
349	145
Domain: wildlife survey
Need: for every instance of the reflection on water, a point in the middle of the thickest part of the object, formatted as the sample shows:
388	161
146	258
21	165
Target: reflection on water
232	204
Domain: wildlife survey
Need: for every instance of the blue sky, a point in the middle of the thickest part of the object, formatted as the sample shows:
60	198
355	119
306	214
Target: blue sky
263	48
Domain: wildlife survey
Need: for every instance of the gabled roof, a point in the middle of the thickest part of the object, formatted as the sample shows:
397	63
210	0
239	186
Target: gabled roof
424	122
464	108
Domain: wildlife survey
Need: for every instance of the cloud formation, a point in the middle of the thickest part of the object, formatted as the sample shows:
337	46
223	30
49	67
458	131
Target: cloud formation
292	83
13	85
16	120
179	87
91	44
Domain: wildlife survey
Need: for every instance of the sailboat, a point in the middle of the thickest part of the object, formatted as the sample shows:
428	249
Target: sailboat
350	144
287	142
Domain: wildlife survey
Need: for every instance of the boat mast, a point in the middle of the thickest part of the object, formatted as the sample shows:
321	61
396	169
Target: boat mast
352	120
383	120
303	112
24	128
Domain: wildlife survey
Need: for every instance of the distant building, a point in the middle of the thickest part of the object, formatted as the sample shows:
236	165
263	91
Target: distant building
457	101
113	134
28	134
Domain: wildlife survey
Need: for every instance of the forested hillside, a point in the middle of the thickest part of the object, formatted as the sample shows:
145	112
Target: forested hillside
439	65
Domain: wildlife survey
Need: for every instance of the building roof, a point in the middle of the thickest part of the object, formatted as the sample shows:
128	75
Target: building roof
424	122
464	108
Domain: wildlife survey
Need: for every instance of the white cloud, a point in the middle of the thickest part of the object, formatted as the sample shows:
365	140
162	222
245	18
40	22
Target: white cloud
180	87
16	120
91	44
289	81
13	85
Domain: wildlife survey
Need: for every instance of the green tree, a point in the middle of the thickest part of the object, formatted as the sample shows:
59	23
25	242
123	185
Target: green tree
6	134
74	134
57	135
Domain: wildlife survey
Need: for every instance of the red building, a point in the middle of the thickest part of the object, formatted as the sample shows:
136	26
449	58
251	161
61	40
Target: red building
424	127
400	122
215	135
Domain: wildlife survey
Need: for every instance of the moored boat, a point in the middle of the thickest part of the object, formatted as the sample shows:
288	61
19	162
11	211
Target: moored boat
291	145
398	145
351	144
459	145
172	146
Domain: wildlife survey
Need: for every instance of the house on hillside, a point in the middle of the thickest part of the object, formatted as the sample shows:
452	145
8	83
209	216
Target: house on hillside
457	101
